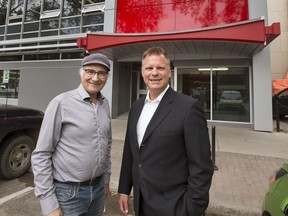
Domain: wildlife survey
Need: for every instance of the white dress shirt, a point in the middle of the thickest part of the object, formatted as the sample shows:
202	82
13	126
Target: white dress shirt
147	113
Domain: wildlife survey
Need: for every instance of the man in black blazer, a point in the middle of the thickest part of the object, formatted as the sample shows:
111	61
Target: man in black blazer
166	157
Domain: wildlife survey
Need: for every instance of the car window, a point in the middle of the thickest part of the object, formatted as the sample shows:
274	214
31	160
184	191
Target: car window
233	95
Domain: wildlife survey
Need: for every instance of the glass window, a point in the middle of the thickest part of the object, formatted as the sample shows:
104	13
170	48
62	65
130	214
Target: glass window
11	58
93	19
70	22
13	29
229	88
49	56
33	26
195	83
9	83
3	12
16	7
15	19
70	31
93	29
50	24
2	28
33	10
13	37
72	55
93	1
30	35
93	8
51	4
29	45
50	14
30	57
231	95
49	33
71	8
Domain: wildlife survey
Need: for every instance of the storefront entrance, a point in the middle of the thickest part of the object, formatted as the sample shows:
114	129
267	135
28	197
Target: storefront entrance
224	92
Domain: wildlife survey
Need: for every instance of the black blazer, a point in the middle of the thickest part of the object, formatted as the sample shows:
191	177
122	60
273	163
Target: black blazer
173	166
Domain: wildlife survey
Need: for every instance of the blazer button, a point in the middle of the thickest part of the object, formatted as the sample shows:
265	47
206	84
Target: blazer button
140	165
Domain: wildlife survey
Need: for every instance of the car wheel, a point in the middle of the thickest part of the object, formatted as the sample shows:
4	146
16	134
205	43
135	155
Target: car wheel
15	156
266	214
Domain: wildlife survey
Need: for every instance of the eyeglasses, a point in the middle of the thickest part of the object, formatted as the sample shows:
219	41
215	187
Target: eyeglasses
100	74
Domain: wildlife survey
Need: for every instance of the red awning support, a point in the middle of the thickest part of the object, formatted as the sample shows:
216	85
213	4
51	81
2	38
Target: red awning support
243	32
272	32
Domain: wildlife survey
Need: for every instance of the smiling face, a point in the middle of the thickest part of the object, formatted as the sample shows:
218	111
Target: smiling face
93	83
156	73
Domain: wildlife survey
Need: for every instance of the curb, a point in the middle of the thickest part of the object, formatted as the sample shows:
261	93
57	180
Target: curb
219	210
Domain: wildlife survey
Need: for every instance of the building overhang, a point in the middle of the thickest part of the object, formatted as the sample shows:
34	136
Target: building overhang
242	39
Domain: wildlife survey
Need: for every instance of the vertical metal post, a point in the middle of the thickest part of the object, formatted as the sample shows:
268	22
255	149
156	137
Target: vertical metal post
277	114
213	147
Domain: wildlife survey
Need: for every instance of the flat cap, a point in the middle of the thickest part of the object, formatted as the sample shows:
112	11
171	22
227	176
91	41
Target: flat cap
96	58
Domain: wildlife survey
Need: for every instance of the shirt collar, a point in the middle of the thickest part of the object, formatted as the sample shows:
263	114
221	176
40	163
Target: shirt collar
85	95
159	98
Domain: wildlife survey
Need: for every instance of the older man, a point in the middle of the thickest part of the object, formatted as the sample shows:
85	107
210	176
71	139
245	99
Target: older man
71	162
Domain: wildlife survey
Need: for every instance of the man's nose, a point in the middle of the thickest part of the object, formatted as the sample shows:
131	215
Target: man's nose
154	71
95	77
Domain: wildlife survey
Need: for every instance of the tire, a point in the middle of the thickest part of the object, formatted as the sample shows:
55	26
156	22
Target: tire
15	156
266	214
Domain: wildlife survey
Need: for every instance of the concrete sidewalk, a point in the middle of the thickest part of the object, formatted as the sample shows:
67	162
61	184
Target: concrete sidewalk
245	159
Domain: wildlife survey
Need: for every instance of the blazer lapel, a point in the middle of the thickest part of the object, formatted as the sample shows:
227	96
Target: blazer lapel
134	119
160	113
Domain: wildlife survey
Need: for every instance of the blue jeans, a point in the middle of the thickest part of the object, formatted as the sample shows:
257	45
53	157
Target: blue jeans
78	200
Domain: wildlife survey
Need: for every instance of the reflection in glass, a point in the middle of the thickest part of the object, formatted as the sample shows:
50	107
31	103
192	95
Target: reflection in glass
92	1
70	22
93	28
3	12
231	95
16	7
70	31
10	89
50	24
230	99
33	10
167	15
196	84
93	18
71	8
148	19
51	4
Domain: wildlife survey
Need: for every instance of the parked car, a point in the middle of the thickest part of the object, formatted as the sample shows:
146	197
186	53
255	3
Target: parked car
282	98
19	129
276	199
231	100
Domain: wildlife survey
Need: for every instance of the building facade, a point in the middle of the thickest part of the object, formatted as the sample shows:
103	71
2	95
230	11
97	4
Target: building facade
219	50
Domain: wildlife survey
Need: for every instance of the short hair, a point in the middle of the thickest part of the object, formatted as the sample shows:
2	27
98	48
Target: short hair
81	71
156	51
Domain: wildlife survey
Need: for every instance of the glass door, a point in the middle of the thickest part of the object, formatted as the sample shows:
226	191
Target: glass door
231	94
224	92
195	83
141	86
